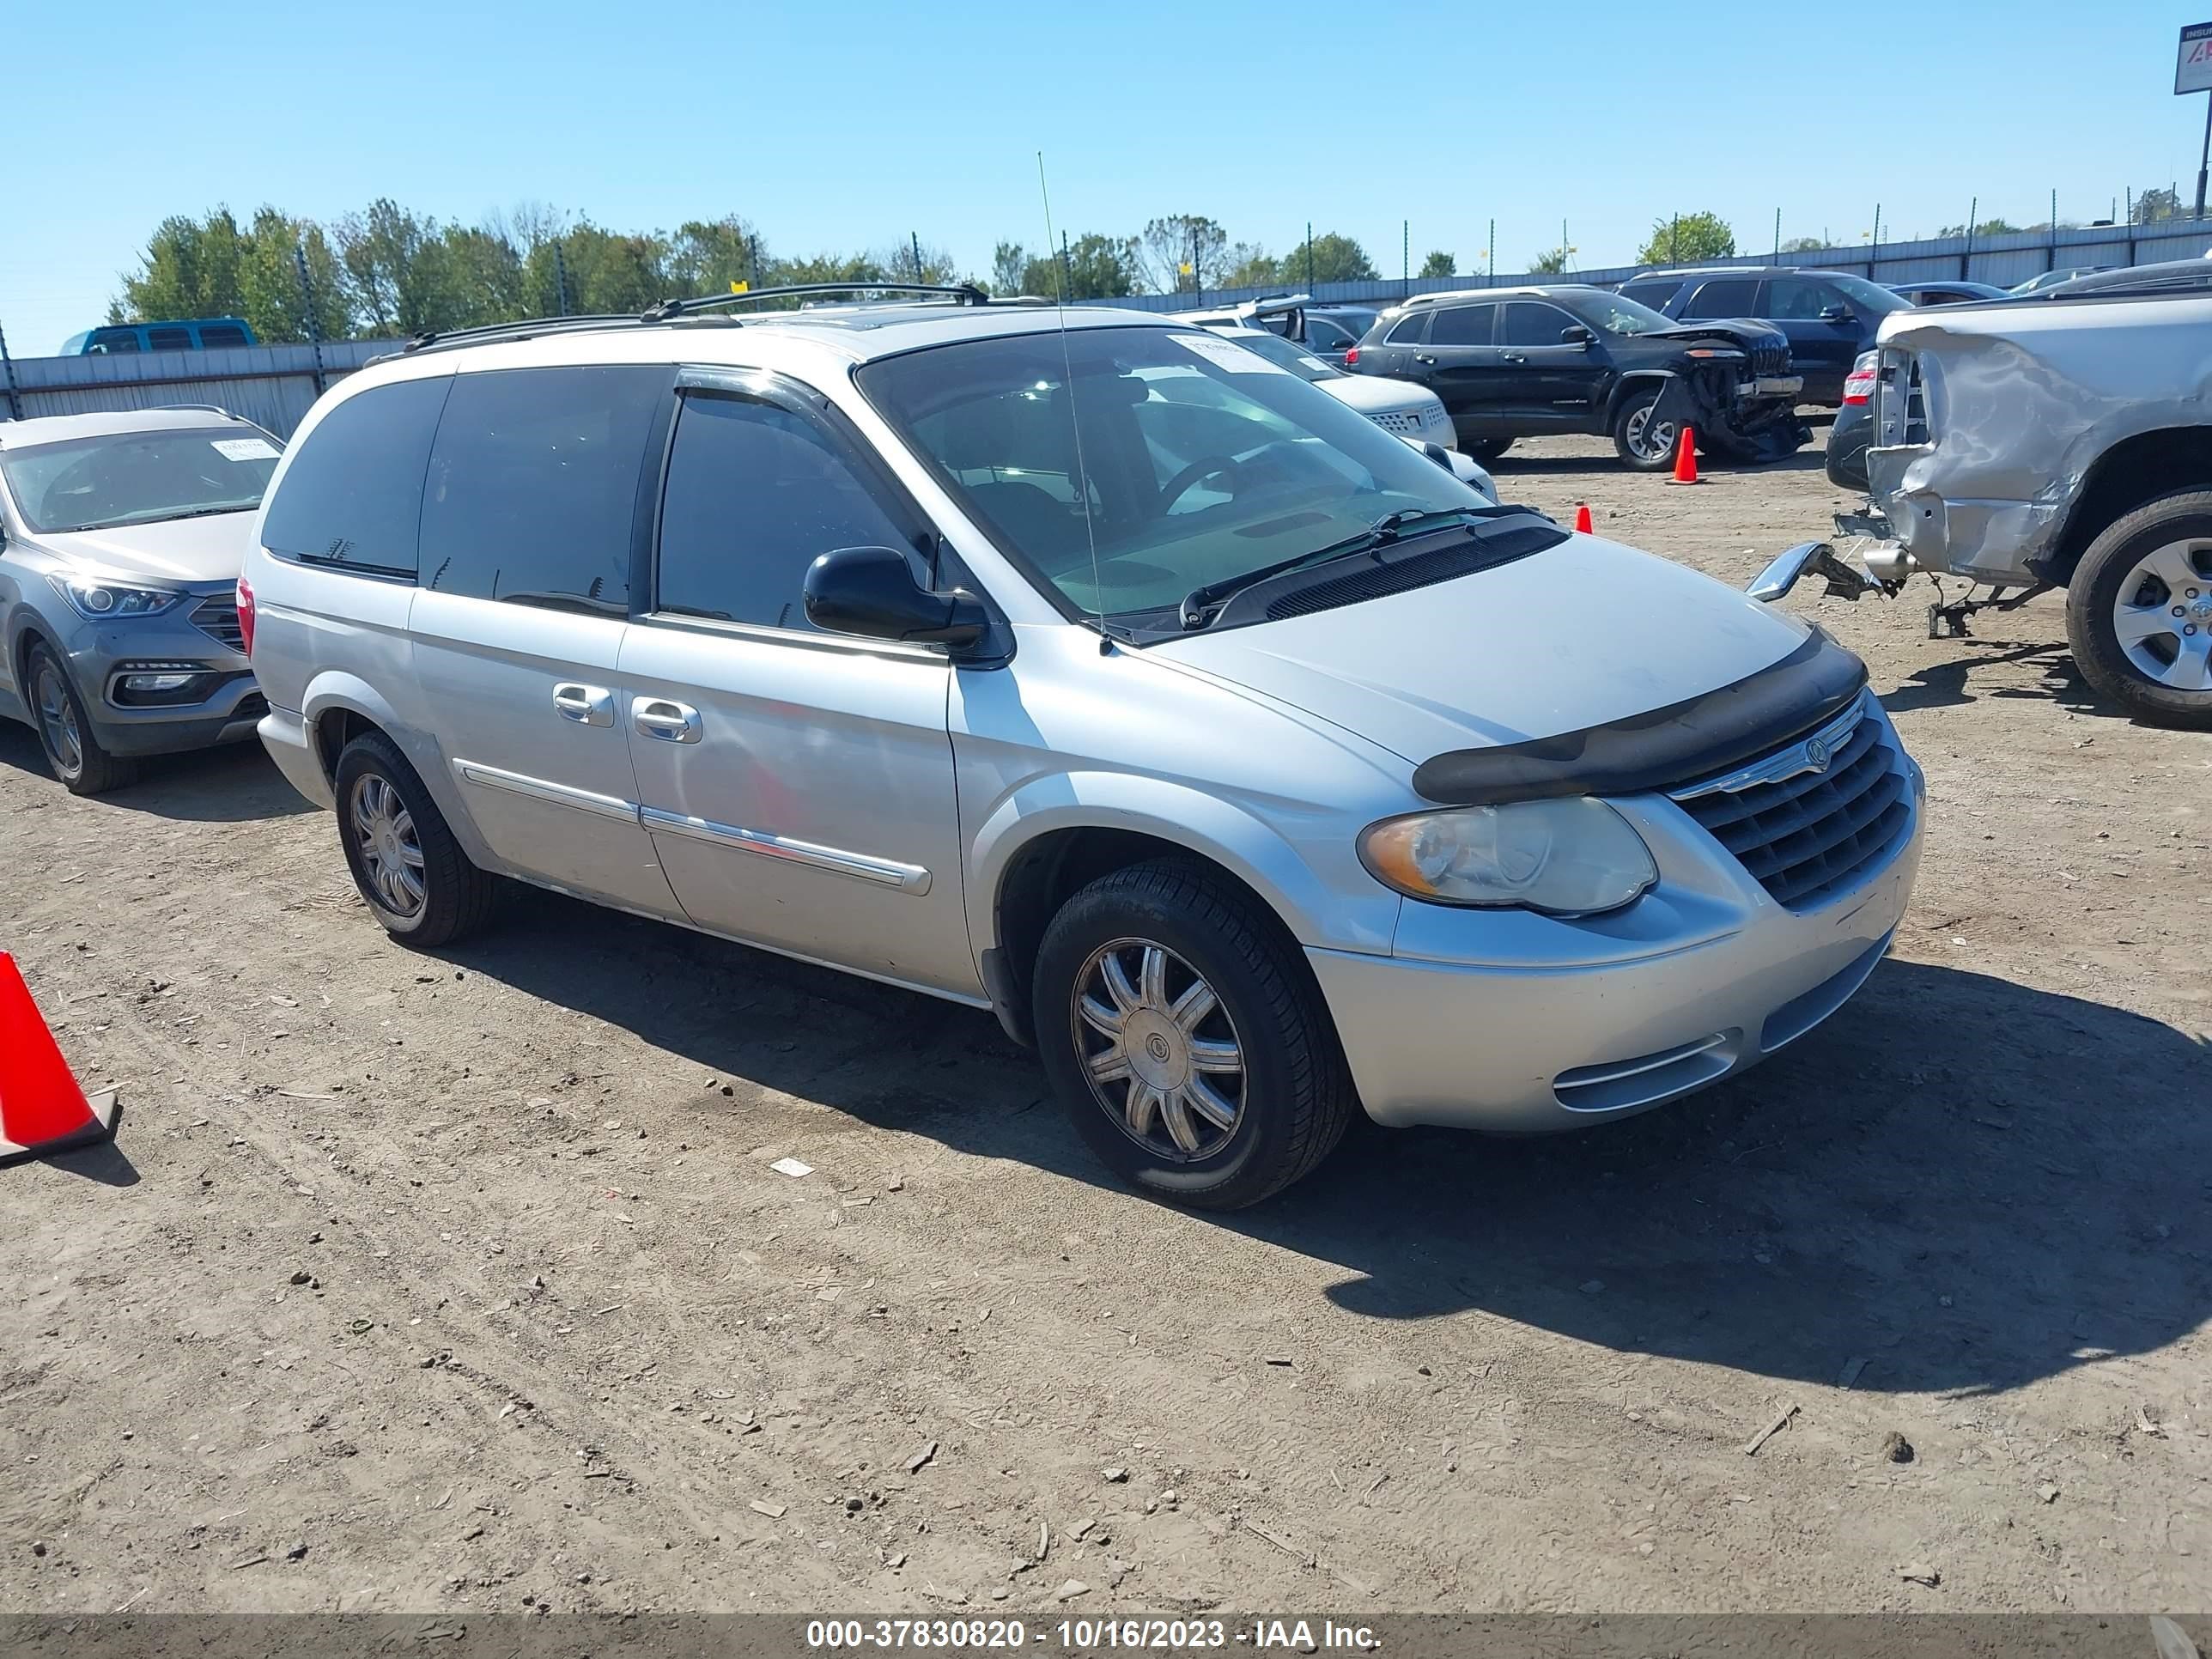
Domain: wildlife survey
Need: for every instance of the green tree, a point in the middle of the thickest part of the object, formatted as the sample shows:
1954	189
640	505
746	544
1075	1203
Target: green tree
1099	268
706	256
1252	267
269	279
1687	239
190	268
1336	260
1184	251
1438	263
1803	245
2156	204
1010	267
1987	228
1550	262
390	271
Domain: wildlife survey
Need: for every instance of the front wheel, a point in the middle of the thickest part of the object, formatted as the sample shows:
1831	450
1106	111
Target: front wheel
66	730
1486	450
1644	442
1186	1038
2139	611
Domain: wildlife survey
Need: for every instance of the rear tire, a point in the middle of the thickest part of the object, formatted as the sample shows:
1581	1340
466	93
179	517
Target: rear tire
410	871
2120	612
65	730
1486	450
1186	1038
1643	445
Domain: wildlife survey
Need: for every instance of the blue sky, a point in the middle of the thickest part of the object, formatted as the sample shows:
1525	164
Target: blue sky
847	124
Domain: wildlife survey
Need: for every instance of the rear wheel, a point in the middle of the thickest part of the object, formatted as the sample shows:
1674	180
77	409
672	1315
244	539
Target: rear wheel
412	872
66	730
2139	611
1185	1036
1645	443
1486	450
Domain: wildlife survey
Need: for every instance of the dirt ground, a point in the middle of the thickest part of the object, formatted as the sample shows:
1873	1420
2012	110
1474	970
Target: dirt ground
464	1282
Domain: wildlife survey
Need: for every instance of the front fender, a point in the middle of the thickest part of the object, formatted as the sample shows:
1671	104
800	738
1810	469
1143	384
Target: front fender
1349	910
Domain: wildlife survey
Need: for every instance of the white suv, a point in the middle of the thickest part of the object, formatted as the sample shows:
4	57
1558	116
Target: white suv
1087	668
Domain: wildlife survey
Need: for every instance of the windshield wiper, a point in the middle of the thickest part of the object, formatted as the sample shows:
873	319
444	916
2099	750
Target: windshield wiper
1194	612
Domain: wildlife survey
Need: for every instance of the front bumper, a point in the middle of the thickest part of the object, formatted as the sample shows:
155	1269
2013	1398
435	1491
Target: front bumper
1566	1023
101	654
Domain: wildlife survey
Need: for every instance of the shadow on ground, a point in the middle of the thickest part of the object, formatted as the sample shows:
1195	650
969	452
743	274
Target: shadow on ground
237	783
1968	1183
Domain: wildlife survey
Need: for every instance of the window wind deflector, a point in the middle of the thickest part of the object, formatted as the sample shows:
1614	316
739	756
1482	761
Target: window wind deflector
582	604
1203	606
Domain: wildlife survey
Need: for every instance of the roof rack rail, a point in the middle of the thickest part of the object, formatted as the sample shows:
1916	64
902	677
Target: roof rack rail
522	329
217	408
965	293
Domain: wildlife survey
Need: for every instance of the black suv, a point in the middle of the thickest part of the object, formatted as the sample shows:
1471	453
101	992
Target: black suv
1830	316
1524	362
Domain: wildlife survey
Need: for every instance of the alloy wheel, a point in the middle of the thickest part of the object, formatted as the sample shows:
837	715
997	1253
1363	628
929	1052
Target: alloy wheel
1160	1052
57	720
391	851
1651	441
2162	615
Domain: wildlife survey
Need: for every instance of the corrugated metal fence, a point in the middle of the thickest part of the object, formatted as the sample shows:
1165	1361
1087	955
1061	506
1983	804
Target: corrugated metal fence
275	385
271	386
2004	260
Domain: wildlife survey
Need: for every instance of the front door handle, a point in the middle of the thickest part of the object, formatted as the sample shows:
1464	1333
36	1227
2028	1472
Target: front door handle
1513	356
1424	357
586	705
670	722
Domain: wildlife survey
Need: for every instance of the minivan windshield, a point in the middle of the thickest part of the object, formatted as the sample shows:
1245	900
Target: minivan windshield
1186	459
135	477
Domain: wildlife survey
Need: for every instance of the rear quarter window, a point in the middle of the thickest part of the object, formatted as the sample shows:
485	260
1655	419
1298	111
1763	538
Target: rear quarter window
1653	294
353	493
533	484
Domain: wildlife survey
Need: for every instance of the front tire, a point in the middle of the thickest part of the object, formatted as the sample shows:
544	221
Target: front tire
66	730
1486	450
404	859
2139	611
1644	443
1186	1038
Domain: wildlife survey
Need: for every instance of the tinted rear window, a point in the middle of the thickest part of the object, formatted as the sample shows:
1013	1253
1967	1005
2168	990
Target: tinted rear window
221	334
169	339
353	491
1654	293
1408	330
1724	296
532	485
1463	325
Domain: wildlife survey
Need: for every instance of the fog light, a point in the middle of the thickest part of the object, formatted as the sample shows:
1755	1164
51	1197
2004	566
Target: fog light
157	682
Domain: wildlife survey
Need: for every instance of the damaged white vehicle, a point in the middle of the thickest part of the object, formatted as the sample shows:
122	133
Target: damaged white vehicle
2062	439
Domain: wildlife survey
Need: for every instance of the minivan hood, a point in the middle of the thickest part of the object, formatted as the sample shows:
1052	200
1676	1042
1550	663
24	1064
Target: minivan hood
1572	637
209	550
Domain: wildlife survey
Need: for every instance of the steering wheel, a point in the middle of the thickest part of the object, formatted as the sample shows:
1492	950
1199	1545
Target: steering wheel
1206	466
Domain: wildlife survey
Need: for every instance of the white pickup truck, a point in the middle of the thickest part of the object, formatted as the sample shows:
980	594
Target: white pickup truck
2062	438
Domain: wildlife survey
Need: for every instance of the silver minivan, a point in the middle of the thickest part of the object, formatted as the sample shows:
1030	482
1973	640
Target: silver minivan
1090	669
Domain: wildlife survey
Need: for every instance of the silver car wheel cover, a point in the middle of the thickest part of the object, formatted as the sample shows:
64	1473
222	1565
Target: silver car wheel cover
2162	615
57	720
1158	1050
391	850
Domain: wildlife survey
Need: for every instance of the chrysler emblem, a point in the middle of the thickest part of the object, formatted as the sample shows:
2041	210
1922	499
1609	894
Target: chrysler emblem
1816	753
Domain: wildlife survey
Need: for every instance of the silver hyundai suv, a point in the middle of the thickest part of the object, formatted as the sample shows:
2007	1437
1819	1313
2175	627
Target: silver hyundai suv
1087	668
121	539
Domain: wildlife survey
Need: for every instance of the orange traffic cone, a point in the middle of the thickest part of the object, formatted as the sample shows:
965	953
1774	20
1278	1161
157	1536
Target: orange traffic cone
41	1108
1686	457
1582	520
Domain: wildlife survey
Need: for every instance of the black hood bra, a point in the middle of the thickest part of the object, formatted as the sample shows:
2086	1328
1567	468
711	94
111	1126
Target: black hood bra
1662	748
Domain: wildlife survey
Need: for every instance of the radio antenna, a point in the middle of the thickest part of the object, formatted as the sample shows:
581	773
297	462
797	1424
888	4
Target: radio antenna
1082	480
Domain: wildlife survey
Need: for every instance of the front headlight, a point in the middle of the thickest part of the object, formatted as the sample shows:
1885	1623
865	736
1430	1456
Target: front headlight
97	601
1573	857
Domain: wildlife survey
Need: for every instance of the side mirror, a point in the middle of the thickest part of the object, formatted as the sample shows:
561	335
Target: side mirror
1835	313
871	591
1575	334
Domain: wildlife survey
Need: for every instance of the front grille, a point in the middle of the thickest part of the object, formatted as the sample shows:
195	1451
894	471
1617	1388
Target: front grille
1404	425
217	618
1806	836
